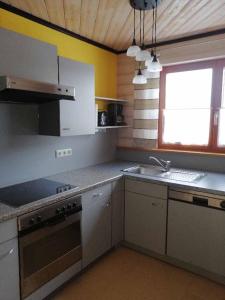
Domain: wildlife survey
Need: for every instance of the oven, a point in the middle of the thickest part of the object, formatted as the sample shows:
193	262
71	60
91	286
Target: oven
49	243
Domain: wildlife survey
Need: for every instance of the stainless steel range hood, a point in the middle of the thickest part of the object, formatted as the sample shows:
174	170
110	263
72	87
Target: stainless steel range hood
14	89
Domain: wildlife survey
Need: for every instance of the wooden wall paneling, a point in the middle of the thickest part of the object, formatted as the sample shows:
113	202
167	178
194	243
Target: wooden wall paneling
125	89
146	104
117	22
172	14
127	39
88	17
56	12
190	51
38	8
126	34
72	15
212	9
192	10
106	11
195	24
143	124
110	22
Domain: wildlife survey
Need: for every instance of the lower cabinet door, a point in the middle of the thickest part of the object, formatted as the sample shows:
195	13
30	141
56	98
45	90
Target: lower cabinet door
117	217
196	235
9	270
145	221
96	226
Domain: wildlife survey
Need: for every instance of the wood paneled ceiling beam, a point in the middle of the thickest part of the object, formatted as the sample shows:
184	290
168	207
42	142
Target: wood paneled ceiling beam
98	44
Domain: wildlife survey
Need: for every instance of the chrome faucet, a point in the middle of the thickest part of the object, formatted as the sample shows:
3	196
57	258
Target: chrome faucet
165	164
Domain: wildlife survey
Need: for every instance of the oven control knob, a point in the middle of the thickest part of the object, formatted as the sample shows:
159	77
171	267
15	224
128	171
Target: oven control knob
58	210
74	204
63	208
32	221
39	218
222	204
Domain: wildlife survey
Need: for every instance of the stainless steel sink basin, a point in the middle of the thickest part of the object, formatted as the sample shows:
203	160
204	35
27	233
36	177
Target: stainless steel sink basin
173	174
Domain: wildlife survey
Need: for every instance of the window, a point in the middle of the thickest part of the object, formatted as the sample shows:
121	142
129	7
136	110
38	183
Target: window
192	107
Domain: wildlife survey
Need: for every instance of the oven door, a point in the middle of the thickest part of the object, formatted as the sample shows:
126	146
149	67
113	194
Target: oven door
48	251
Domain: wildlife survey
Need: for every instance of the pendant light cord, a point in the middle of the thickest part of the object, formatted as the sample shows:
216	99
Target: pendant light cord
155	23
143	29
140	27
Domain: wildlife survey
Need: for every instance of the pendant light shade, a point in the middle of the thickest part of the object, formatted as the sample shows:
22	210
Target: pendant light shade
143	55
154	65
140	52
139	78
146	73
133	49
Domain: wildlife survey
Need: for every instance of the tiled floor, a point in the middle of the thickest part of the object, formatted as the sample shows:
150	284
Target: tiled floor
124	274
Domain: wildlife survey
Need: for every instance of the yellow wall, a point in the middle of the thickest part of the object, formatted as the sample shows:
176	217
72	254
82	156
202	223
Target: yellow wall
105	62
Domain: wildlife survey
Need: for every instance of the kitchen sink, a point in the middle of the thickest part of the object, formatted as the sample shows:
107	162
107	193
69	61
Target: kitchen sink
173	174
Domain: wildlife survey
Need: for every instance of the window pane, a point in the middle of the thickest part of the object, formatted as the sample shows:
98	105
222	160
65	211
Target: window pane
221	135
221	125
223	91
189	89
187	107
186	127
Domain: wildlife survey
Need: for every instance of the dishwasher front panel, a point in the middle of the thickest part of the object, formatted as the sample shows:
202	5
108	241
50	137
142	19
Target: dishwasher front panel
196	235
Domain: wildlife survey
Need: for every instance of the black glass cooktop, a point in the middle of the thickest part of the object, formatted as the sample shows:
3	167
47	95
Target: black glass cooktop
27	192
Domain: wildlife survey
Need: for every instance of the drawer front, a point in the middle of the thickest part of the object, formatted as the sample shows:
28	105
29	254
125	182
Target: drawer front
99	194
146	188
8	230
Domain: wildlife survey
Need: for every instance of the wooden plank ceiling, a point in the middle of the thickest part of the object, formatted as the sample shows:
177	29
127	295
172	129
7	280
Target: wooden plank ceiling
110	22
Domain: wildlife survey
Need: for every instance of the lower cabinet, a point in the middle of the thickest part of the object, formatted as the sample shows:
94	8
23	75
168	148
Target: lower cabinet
145	222
196	235
96	223
102	220
9	264
117	211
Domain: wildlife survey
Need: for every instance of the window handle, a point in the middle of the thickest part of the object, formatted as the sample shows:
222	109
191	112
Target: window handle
216	117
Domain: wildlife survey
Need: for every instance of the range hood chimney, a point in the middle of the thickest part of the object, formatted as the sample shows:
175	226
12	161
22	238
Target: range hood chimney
14	89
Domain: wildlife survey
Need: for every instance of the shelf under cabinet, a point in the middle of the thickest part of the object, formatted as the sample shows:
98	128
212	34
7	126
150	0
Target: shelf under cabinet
111	99
110	127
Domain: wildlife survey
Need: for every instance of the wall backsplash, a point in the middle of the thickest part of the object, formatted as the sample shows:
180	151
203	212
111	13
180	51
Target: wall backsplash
25	155
180	160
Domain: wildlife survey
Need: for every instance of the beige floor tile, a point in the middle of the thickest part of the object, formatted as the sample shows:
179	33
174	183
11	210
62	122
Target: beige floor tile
124	274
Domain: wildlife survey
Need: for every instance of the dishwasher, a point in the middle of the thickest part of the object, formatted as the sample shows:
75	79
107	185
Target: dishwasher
196	229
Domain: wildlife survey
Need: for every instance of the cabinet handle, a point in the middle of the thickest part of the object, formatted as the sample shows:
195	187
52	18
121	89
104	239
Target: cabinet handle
154	204
7	253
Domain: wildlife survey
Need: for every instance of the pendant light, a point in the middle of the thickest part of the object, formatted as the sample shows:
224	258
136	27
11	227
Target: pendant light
147	62
139	78
143	54
154	65
134	48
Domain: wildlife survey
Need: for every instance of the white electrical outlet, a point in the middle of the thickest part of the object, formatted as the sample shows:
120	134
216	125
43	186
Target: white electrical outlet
63	152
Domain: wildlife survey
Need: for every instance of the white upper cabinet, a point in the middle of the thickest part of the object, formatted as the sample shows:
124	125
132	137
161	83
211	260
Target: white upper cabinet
78	115
25	57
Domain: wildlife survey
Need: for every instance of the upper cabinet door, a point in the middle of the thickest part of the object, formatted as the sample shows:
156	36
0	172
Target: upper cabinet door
78	115
25	57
